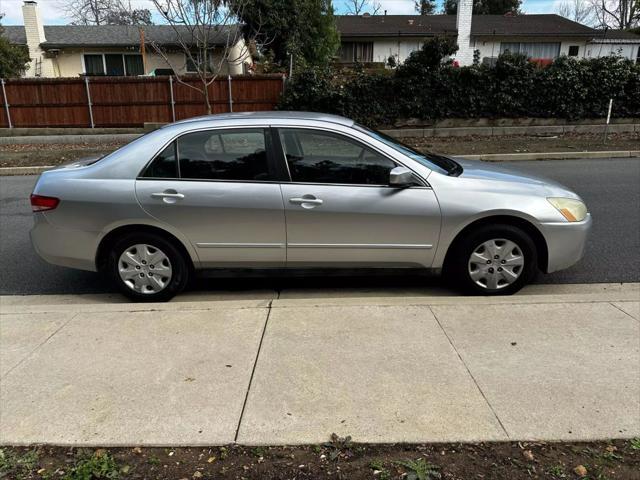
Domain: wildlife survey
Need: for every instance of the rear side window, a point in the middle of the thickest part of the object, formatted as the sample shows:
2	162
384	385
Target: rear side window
239	154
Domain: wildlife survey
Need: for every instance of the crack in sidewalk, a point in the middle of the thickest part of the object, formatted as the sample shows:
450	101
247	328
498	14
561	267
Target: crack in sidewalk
470	374
253	371
28	355
624	311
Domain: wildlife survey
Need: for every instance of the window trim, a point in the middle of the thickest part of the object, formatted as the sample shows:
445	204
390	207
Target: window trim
271	163
283	158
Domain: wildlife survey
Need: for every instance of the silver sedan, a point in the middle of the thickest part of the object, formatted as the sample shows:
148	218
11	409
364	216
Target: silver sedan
277	190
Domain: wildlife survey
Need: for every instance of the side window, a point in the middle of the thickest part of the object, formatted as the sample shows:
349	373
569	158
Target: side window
321	157
224	155
165	164
214	155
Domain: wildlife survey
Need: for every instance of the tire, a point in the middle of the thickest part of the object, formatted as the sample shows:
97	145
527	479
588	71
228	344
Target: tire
146	267
472	267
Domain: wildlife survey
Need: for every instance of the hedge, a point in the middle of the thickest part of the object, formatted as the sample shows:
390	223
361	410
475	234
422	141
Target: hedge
428	88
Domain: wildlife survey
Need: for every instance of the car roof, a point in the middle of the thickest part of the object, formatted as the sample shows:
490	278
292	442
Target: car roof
269	115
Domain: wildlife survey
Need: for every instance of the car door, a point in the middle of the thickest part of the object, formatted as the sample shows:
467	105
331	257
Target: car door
217	187
340	210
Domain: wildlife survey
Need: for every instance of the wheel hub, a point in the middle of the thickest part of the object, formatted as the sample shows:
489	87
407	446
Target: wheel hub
145	269
496	264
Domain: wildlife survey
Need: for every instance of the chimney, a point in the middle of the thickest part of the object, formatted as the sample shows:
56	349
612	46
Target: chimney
464	55
34	31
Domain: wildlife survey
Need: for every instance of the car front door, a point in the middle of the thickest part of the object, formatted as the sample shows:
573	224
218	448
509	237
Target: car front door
341	211
218	188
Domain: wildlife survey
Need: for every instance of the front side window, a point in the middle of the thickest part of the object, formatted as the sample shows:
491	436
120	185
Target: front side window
214	155
322	157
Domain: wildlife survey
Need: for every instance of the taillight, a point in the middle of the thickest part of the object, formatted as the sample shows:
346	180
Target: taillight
40	203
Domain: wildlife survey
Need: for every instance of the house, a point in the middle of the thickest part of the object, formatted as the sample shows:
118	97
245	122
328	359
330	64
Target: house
375	38
72	50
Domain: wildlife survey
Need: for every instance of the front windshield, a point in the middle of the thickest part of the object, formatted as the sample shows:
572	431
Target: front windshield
444	165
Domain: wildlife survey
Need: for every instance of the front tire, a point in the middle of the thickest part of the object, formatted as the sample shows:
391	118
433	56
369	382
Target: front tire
492	260
146	267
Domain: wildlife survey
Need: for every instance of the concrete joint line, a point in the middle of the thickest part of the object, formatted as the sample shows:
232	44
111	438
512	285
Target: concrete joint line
253	371
470	374
38	346
626	313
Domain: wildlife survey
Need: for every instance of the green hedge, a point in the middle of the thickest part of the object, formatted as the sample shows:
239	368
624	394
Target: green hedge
427	88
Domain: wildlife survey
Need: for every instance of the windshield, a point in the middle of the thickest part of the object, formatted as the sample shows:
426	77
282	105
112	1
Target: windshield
430	160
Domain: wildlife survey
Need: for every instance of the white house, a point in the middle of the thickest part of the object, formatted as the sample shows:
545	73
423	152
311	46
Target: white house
72	50
375	38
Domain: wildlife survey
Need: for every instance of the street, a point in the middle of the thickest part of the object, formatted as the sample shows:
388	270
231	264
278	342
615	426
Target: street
611	189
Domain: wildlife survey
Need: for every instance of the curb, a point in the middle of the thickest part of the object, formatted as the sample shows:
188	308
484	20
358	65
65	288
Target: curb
489	157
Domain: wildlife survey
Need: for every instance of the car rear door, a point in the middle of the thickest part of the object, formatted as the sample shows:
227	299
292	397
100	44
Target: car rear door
340	210
218	188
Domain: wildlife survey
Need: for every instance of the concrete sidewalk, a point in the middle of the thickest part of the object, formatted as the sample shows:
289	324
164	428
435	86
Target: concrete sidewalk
548	364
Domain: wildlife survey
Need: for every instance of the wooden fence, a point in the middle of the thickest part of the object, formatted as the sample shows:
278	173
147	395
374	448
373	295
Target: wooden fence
128	101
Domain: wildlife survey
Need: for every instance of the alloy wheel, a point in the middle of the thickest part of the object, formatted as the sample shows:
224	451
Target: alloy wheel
145	269
496	263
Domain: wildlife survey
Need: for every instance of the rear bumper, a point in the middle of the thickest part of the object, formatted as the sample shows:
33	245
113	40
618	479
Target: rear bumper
65	247
566	242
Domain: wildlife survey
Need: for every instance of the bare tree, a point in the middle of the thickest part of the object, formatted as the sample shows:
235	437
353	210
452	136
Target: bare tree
618	14
579	11
358	7
106	12
208	33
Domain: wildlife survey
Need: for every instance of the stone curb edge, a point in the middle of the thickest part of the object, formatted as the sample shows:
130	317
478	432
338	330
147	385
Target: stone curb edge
489	157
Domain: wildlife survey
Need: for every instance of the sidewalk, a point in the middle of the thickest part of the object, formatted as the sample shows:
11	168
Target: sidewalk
552	363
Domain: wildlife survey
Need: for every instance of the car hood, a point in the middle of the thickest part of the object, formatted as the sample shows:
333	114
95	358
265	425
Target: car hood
491	172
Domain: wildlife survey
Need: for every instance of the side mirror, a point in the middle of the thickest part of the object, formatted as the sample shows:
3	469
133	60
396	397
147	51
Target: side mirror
401	177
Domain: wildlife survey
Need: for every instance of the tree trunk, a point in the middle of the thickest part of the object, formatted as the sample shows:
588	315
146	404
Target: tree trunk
205	92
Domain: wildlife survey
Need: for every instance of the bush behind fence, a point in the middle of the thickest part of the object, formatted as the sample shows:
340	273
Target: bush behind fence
515	87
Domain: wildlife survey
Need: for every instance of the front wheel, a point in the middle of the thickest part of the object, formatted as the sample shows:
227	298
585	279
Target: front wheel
147	268
493	260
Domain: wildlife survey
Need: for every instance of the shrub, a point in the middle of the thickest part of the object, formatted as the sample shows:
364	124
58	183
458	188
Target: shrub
427	86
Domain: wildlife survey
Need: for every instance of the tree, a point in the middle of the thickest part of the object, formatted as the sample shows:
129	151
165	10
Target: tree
358	7
107	12
13	58
485	7
618	14
577	10
207	32
304	30
425	7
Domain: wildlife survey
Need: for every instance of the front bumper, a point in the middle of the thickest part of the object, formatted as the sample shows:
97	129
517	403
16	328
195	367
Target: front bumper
566	242
62	246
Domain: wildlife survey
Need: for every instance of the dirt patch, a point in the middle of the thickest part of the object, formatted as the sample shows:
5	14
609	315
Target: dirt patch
570	142
58	154
339	459
31	155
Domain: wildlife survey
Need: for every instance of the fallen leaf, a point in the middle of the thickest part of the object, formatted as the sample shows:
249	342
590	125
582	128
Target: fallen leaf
211	459
137	450
528	454
197	474
580	470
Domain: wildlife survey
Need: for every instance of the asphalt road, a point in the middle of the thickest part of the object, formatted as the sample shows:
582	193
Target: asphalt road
610	187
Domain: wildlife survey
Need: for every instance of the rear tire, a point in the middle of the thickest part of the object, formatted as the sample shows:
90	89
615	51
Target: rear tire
492	260
147	267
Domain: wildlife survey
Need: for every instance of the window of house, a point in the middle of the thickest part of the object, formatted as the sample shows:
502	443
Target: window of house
356	52
114	64
573	50
93	65
322	157
535	50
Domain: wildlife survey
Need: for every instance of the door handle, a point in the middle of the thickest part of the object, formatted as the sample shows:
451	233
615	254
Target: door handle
167	195
307	199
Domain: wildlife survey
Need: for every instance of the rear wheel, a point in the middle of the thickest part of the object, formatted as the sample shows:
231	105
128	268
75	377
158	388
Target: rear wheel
147	268
493	260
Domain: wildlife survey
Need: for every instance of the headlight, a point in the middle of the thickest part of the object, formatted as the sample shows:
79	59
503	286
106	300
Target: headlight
570	208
